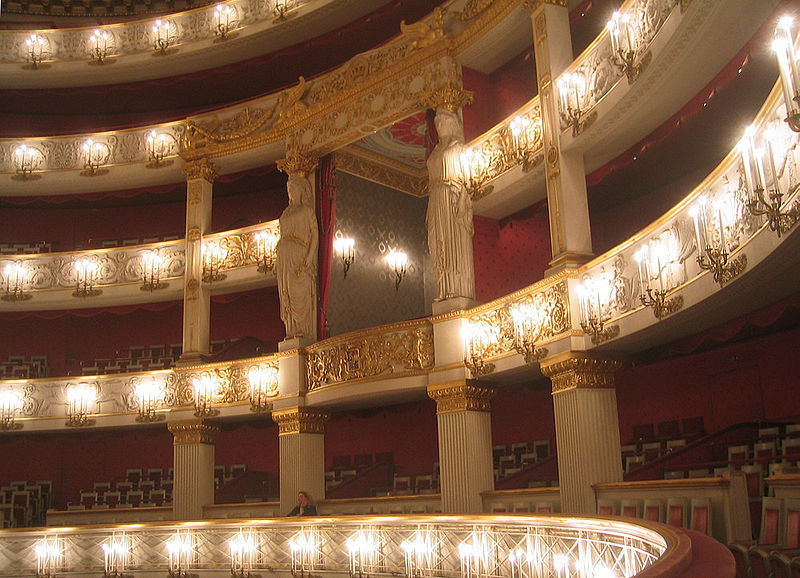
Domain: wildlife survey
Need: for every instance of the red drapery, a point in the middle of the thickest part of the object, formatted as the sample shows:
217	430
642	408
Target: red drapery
326	216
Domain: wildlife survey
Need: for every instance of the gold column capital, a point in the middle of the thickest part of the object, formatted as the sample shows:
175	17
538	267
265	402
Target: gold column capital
580	370
192	431
462	395
299	163
201	168
449	96
534	5
300	420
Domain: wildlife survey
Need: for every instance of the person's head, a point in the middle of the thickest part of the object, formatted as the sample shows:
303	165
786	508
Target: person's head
304	499
299	189
448	124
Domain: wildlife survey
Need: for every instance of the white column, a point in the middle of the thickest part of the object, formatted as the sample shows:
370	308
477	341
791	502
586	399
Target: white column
570	236
193	463
587	427
200	175
301	454
465	444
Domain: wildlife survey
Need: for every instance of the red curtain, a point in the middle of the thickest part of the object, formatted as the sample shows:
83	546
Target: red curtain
326	216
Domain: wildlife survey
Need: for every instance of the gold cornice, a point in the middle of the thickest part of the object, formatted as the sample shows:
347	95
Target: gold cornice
301	164
579	370
449	96
192	431
384	171
297	420
462	395
201	168
534	5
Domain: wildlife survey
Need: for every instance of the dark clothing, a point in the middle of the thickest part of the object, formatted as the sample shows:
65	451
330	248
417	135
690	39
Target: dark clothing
309	510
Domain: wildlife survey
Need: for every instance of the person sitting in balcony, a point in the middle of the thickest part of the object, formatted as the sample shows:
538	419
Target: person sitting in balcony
305	505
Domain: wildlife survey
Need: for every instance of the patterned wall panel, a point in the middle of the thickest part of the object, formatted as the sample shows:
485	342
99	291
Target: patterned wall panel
380	219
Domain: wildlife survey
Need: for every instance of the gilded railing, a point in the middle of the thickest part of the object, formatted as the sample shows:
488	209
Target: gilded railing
396	350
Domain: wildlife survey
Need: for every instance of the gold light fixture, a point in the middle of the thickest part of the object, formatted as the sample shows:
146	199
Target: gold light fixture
658	275
474	173
623	32
49	557
594	300
15	278
478	337
95	156
779	220
225	21
789	71
101	47
344	247
26	160
85	278
398	261
149	393
206	389
266	247
524	133
163	36
37	50
713	229
10	404
263	385
528	322
572	90
180	548
152	264
116	552
281	9
214	255
244	553
81	398
159	146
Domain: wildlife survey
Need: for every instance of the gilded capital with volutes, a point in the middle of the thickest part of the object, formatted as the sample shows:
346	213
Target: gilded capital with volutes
201	168
462	395
299	163
297	420
192	431
580	370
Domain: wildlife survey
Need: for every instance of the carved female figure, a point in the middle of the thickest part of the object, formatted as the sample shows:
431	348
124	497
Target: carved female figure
449	217
296	261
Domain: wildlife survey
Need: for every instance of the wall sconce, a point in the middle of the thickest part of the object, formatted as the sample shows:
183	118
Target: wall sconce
225	21
102	46
116	552
16	277
149	393
159	145
362	551
478	338
282	10
37	50
85	277
397	261
10	404
180	548
81	398
572	90
152	264
26	160
783	45
49	556
345	248
304	550
96	154
419	553
473	173
658	264
528	321
623	32
713	244
214	255
524	134
263	385
206	389
244	553
266	248
163	36
756	182
594	298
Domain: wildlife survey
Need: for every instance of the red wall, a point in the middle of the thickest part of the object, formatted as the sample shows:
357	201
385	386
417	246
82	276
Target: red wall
252	314
254	443
523	413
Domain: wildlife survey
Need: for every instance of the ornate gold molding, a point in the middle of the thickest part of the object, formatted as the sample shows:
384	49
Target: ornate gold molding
534	5
362	164
450	96
572	370
201	168
299	420
464	395
300	163
192	431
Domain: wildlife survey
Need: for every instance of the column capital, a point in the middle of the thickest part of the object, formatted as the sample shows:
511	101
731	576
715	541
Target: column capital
201	168
193	431
534	5
300	420
300	163
580	370
449	96
461	395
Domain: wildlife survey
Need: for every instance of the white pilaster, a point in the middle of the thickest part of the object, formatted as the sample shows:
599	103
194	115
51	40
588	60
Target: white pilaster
193	463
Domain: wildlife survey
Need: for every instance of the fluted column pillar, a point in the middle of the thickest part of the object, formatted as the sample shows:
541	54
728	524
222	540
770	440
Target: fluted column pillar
565	176
193	463
200	175
465	444
301	443
587	426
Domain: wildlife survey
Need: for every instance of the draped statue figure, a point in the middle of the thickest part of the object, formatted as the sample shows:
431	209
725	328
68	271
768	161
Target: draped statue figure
449	217
296	261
